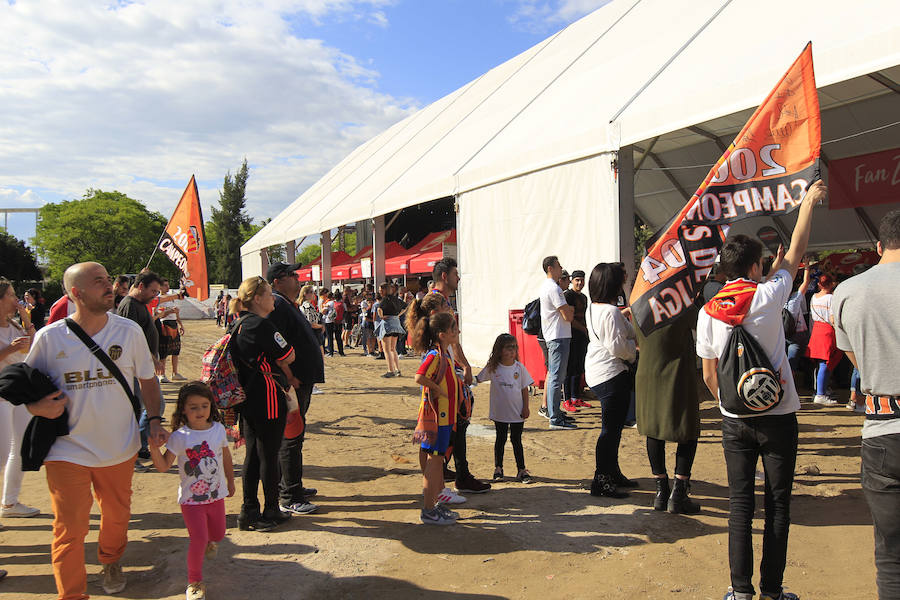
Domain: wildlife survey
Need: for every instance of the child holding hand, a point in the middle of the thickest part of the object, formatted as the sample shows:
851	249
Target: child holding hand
199	446
509	402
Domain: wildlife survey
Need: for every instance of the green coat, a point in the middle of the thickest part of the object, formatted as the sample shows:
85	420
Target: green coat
666	394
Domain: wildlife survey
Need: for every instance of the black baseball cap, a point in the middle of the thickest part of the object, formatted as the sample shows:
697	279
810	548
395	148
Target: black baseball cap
280	269
578	273
564	274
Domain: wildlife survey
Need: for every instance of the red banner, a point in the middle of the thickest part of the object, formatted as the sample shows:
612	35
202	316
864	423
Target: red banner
184	243
864	180
850	263
765	171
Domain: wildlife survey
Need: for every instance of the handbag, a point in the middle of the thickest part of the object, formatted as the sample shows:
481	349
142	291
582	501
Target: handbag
107	362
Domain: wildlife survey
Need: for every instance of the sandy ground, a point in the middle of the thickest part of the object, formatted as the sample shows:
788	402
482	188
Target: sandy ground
547	540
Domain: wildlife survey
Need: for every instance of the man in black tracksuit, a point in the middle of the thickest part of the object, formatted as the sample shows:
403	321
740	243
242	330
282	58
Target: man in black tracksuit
308	367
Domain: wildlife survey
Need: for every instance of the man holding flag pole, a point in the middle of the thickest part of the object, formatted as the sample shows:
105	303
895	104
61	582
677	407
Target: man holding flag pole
768	170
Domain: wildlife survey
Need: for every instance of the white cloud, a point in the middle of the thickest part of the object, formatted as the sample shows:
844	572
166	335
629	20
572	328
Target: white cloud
544	16
137	97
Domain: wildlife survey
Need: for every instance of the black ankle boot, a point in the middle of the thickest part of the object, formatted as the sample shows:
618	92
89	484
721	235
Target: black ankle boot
679	501
603	485
623	482
662	493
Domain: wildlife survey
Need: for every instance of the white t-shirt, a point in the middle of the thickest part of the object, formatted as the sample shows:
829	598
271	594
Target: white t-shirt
553	326
328	312
102	428
200	465
763	321
7	335
611	343
169	318
820	308
507	384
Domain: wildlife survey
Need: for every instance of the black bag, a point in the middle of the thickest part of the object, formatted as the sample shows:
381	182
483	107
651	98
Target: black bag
531	320
748	384
789	323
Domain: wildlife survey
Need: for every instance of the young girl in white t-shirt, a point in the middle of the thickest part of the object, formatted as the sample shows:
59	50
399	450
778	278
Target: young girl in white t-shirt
509	402
200	447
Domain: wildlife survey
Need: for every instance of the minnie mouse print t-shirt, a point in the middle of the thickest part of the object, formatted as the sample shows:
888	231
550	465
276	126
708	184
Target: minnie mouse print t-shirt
199	460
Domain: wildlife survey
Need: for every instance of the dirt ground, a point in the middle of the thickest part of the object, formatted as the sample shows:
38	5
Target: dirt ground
546	540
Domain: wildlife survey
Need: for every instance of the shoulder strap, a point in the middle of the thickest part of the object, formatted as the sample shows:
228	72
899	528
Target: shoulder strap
590	320
104	358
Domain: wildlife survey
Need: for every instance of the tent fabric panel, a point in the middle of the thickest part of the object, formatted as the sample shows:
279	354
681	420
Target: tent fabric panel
501	249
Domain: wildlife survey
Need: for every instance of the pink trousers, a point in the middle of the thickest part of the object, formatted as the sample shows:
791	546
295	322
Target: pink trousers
205	523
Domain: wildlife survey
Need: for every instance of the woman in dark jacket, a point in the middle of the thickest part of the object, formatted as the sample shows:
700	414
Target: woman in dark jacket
261	356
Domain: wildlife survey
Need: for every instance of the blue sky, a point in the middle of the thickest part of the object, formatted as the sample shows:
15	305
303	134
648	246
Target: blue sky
174	88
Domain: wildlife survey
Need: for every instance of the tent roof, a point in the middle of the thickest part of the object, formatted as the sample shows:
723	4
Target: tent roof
592	88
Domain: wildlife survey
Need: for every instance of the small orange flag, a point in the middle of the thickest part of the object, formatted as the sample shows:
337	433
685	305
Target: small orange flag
765	171
184	243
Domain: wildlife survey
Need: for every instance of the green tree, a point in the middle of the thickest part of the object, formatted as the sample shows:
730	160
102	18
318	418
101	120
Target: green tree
231	223
17	261
314	251
107	227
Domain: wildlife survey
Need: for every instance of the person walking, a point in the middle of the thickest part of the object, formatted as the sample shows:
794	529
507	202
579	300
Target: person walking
867	326
308	368
263	358
99	451
757	305
556	329
611	349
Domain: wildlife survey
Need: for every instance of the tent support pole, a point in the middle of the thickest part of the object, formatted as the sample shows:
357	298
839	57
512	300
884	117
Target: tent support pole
326	259
710	136
625	186
378	258
644	154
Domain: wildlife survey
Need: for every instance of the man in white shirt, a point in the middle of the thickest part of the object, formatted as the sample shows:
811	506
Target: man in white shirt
772	434
103	438
556	329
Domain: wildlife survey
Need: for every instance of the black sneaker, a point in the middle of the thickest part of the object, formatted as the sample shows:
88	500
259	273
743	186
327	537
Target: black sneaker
379	356
449	475
309	492
144	454
543	412
562	424
470	485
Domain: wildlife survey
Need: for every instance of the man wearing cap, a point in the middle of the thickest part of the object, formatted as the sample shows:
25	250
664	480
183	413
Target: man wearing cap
309	369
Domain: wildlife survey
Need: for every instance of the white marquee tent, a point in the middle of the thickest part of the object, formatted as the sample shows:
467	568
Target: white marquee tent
540	152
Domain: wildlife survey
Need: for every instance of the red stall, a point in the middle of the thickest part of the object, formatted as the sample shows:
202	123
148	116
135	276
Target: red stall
530	353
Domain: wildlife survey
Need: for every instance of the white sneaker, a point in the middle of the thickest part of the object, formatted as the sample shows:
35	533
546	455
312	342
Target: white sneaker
19	510
163	379
825	400
448	496
316	391
195	591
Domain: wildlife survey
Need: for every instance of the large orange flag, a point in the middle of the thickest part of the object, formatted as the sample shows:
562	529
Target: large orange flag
765	171
184	242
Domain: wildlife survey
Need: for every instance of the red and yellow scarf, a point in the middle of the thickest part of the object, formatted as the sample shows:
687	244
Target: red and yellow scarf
732	303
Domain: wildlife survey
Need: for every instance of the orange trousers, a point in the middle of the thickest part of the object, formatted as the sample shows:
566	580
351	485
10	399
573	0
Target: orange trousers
70	495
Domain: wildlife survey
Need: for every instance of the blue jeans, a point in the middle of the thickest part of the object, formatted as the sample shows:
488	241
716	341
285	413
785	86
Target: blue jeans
881	486
557	361
143	422
854	382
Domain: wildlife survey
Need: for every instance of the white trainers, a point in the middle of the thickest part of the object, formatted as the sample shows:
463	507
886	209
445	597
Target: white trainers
163	379
448	496
19	510
825	400
113	578
316	391
195	591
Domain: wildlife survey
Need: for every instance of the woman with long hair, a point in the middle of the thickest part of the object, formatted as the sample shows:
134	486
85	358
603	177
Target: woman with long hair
15	340
611	348
391	329
262	358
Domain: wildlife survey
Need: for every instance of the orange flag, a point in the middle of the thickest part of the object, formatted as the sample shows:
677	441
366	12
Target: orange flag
765	171
184	242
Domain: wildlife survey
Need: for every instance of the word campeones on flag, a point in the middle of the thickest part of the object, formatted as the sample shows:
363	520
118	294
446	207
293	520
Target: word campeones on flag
184	243
765	171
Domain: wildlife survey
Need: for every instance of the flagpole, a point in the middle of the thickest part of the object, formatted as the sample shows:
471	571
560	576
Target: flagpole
155	246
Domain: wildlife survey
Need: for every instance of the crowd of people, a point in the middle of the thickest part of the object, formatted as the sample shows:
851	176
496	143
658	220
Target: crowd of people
102	355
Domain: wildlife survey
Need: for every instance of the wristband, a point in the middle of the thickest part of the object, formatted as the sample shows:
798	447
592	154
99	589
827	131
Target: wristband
159	418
